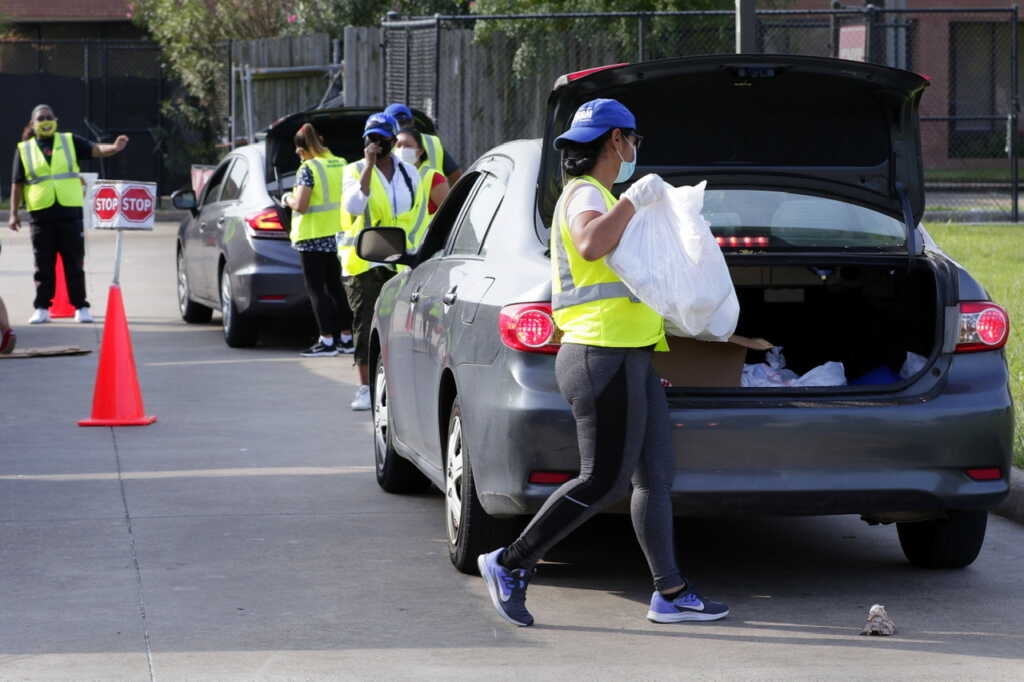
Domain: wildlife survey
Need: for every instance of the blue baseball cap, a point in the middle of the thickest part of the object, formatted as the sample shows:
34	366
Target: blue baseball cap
398	111
594	118
382	124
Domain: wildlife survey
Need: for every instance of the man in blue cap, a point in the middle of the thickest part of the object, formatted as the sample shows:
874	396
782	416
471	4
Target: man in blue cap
378	190
437	158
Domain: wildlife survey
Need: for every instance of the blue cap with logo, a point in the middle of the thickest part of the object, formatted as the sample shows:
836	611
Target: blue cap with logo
381	124
398	111
594	118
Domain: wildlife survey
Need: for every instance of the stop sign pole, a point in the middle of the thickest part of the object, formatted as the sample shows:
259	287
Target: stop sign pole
123	206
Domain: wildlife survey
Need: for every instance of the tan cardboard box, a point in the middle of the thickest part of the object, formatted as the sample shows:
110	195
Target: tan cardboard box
705	364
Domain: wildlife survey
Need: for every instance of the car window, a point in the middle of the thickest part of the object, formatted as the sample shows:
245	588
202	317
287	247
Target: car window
742	217
478	217
235	180
211	193
447	215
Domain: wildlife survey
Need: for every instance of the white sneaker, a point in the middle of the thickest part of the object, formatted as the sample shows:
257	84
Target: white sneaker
83	315
40	316
362	401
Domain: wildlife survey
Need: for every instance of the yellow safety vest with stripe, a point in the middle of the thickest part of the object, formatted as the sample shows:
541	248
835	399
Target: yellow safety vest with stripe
53	181
435	152
591	305
323	217
378	213
415	239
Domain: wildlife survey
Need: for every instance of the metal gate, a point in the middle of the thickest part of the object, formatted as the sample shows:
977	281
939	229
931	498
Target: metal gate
98	89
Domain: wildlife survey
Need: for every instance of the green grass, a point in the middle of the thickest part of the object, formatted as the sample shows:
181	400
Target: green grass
969	175
994	255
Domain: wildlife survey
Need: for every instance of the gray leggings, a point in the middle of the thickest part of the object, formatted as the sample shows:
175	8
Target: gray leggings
624	433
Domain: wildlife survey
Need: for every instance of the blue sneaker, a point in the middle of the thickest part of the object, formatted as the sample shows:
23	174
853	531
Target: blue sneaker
507	588
687	606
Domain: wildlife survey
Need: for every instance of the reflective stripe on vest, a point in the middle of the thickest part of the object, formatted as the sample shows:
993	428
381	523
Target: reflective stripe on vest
322	217
416	232
435	152
43	186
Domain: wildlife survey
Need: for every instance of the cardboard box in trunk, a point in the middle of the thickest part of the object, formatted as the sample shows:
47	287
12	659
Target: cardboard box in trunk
705	364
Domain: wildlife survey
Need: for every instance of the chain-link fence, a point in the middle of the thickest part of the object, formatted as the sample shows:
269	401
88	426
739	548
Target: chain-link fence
486	79
98	89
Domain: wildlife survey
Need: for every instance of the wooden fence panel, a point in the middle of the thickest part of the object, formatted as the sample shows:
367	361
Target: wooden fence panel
364	67
277	95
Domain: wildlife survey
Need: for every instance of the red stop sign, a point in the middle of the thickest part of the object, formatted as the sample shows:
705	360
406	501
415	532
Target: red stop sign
105	203
136	204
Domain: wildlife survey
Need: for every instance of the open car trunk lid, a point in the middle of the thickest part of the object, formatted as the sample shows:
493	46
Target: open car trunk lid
808	125
341	128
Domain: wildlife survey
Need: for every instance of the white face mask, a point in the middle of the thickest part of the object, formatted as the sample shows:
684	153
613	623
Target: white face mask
408	154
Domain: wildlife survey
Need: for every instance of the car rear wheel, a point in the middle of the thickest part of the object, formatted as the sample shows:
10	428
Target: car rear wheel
471	531
191	312
239	332
953	542
395	474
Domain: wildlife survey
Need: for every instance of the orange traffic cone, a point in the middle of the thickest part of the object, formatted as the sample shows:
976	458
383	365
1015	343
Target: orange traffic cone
61	306
117	400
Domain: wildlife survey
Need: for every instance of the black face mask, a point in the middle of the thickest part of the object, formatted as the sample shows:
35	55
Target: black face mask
385	145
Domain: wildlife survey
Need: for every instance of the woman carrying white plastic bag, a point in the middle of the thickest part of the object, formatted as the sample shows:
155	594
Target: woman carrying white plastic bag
604	371
670	260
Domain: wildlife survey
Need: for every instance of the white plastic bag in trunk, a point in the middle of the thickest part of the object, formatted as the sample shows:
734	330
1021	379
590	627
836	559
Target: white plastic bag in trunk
670	260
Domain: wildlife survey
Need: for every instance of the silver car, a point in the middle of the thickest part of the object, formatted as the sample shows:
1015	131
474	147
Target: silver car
815	191
233	252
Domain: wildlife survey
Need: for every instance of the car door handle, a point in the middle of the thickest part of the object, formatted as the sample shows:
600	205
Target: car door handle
220	222
450	297
414	296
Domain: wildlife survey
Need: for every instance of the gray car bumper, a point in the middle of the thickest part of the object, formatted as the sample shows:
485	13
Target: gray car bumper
865	456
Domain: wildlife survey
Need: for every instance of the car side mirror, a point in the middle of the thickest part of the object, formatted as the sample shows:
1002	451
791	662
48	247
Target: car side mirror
383	245
185	200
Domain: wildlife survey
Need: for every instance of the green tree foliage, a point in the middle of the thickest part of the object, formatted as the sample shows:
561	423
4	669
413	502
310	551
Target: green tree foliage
618	39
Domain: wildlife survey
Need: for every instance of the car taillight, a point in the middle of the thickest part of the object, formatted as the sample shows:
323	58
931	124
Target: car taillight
737	242
529	327
576	75
983	326
266	221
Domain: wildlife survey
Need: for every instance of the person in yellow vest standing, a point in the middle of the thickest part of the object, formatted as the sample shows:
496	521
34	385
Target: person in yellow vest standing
604	370
437	157
409	148
381	190
46	176
316	220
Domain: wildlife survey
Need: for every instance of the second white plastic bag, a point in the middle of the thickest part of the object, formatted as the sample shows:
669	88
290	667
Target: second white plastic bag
670	260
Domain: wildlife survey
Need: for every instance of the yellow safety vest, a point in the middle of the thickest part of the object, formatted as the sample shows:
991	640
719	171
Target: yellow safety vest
378	213
415	238
323	217
435	152
591	304
57	180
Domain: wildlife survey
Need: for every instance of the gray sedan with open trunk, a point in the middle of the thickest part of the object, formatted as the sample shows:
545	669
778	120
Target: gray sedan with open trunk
815	192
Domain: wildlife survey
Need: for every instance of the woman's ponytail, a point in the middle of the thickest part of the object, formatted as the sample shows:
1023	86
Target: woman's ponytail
307	138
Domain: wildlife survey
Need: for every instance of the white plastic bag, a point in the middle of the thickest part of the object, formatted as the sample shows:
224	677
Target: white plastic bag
670	260
773	373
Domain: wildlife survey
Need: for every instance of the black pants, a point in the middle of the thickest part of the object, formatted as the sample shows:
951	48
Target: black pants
322	273
68	239
624	434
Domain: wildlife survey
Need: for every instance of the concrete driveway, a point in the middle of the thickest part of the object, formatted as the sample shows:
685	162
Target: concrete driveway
243	536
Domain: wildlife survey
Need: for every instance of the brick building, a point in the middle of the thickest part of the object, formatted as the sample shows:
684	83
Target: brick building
71	19
967	57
